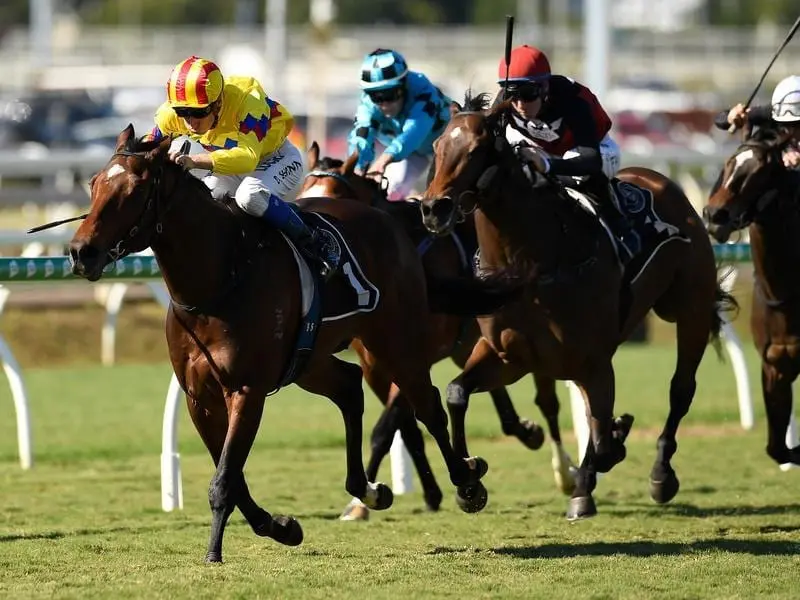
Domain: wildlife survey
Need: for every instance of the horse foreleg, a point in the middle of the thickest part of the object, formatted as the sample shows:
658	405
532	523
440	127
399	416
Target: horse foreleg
340	381
607	446
483	372
564	470
692	339
776	387
525	430
211	421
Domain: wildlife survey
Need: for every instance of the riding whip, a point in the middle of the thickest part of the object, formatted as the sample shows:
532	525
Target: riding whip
185	148
509	36
786	40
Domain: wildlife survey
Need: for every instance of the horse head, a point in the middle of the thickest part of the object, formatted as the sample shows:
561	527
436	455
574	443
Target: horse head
127	205
333	178
468	155
747	186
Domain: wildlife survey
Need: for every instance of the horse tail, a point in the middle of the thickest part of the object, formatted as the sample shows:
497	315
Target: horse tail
724	302
468	296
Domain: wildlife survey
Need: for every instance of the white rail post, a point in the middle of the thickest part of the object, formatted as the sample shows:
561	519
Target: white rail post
171	480
18	394
402	473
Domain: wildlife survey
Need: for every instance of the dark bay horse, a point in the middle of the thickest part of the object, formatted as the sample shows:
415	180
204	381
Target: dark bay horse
451	336
756	191
578	305
235	316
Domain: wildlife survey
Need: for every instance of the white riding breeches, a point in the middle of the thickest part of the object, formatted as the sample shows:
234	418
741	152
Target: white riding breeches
403	176
280	173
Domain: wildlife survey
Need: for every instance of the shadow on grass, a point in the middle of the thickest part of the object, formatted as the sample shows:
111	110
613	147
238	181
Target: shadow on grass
701	512
58	535
644	549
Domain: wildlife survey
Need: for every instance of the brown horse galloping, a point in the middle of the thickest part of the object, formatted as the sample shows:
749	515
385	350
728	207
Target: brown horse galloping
578	306
451	336
756	191
235	317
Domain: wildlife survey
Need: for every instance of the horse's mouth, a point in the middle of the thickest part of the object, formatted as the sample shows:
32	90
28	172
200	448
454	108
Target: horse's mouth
440	217
88	267
720	233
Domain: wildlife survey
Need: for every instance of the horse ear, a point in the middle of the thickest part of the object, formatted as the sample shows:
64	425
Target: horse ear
455	107
125	137
350	164
312	155
161	149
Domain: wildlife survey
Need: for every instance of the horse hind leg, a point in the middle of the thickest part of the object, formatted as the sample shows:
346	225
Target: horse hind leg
693	325
564	470
776	387
340	381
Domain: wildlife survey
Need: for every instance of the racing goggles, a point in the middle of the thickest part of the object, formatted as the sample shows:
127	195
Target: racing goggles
189	112
526	92
390	95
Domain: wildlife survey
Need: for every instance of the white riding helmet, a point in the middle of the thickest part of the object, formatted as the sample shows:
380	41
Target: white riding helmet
786	100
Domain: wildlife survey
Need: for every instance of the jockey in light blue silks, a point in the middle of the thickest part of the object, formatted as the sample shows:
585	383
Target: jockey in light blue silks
404	113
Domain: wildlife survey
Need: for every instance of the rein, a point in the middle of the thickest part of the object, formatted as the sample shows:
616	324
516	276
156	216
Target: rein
376	197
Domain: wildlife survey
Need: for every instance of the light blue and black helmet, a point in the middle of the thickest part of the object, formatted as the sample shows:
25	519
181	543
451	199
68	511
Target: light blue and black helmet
382	70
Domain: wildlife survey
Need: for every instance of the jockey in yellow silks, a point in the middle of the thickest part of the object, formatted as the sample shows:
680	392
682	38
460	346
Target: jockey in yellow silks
245	133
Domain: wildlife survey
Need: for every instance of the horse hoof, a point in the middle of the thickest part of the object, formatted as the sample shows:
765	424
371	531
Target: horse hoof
530	434
381	498
665	490
622	426
478	467
355	512
472	499
433	500
214	557
287	530
582	507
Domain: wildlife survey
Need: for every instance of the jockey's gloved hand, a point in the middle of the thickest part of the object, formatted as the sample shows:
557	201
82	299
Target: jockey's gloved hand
534	157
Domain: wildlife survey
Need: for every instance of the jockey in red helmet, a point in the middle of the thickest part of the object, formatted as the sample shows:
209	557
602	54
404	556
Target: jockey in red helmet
559	127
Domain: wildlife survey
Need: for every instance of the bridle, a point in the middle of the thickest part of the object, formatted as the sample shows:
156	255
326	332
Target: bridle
152	205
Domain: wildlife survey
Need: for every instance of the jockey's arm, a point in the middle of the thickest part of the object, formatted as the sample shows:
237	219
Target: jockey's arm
755	115
585	158
362	137
416	128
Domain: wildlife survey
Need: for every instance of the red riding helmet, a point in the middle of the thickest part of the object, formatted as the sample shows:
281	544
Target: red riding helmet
527	64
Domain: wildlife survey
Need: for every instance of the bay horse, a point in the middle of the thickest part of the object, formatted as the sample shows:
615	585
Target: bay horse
451	336
578	305
235	316
756	192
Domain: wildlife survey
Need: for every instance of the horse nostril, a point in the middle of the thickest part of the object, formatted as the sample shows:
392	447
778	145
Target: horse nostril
444	207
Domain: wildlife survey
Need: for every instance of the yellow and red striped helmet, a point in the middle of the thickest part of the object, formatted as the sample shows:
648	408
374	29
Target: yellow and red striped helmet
194	83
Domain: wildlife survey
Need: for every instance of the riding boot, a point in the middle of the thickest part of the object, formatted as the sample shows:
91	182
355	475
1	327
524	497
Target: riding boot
313	245
617	221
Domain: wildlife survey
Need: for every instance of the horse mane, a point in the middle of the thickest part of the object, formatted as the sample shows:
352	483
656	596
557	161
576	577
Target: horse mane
475	103
142	146
327	163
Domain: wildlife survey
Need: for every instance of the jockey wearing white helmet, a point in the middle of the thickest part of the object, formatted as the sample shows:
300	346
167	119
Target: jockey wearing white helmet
783	112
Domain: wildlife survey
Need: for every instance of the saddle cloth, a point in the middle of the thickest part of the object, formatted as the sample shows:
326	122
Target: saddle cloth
637	206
